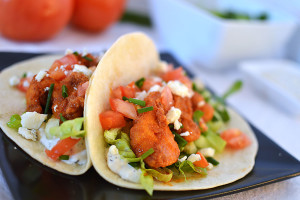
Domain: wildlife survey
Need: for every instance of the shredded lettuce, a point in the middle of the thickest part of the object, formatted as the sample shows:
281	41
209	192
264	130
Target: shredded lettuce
188	166
69	128
147	182
215	141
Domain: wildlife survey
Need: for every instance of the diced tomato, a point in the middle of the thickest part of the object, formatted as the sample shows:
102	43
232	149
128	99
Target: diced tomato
167	98
208	111
133	86
123	107
24	84
111	119
57	72
201	163
116	93
61	147
149	82
235	138
82	89
203	126
128	92
177	74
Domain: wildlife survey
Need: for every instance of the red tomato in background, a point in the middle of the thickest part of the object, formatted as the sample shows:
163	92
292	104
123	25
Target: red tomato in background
34	20
97	15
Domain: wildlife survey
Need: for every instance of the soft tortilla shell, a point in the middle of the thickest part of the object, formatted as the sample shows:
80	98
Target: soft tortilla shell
134	56
13	101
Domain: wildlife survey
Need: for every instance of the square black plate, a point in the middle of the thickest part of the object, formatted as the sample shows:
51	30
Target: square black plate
28	179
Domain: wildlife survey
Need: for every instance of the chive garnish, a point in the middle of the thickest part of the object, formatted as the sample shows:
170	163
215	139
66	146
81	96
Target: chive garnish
49	98
147	153
142	110
75	53
197	115
139	83
64	157
125	98
62	117
87	58
64	91
180	141
212	161
135	101
24	75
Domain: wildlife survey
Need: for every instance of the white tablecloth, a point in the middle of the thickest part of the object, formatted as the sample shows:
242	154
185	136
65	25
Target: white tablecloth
275	123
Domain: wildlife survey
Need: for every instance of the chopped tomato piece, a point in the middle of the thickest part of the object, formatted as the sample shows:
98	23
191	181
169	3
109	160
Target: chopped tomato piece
61	147
61	67
133	87
235	138
201	163
177	74
116	93
123	107
167	98
24	84
111	119
149	82
128	92
82	89
208	112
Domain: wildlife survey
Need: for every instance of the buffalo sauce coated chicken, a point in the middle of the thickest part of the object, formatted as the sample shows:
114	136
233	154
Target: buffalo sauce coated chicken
72	73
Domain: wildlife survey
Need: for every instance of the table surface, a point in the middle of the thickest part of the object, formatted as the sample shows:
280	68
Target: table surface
281	127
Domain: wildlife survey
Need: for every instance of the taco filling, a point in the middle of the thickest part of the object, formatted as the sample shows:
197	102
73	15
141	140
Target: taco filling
165	127
54	107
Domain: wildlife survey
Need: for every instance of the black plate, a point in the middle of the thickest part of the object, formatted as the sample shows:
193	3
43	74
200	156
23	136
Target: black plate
28	179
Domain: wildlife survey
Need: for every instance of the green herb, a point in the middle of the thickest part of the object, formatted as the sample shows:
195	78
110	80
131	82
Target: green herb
197	115
87	58
14	122
69	128
64	91
75	53
137	102
188	166
212	161
147	153
139	83
196	89
171	126
180	141
64	157
24	75
237	85
62	117
146	109
125	98
49	98
147	182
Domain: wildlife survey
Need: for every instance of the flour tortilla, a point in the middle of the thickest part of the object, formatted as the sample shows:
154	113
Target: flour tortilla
12	101
131	57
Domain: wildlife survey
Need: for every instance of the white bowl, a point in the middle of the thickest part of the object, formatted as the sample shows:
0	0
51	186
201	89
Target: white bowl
196	36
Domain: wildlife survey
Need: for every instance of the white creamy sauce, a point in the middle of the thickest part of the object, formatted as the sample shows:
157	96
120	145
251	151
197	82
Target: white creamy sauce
48	143
78	158
121	166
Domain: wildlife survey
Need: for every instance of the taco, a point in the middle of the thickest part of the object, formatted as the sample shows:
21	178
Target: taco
149	127
42	108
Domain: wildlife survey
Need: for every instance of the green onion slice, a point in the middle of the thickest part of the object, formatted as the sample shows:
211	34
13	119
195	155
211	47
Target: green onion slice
180	141
212	161
75	53
197	115
49	98
62	117
64	157
139	83
24	75
146	109
64	91
87	58
147	153
135	101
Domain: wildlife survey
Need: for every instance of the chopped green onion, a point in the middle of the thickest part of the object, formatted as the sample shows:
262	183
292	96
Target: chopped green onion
237	85
195	88
171	126
212	161
146	109
75	53
125	98
197	115
24	75
180	141
64	157
87	58
64	91
49	98
62	117
147	153
14	122
139	83
137	102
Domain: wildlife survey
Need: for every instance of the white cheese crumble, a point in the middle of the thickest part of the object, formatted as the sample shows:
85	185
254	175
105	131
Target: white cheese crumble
210	166
182	159
40	75
28	134
121	166
177	125
26	83
180	89
185	133
173	116
78	158
85	52
48	143
208	152
75	88
54	108
14	80
69	51
83	69
201	103
46	89
194	157
32	120
141	95
29	74
155	88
